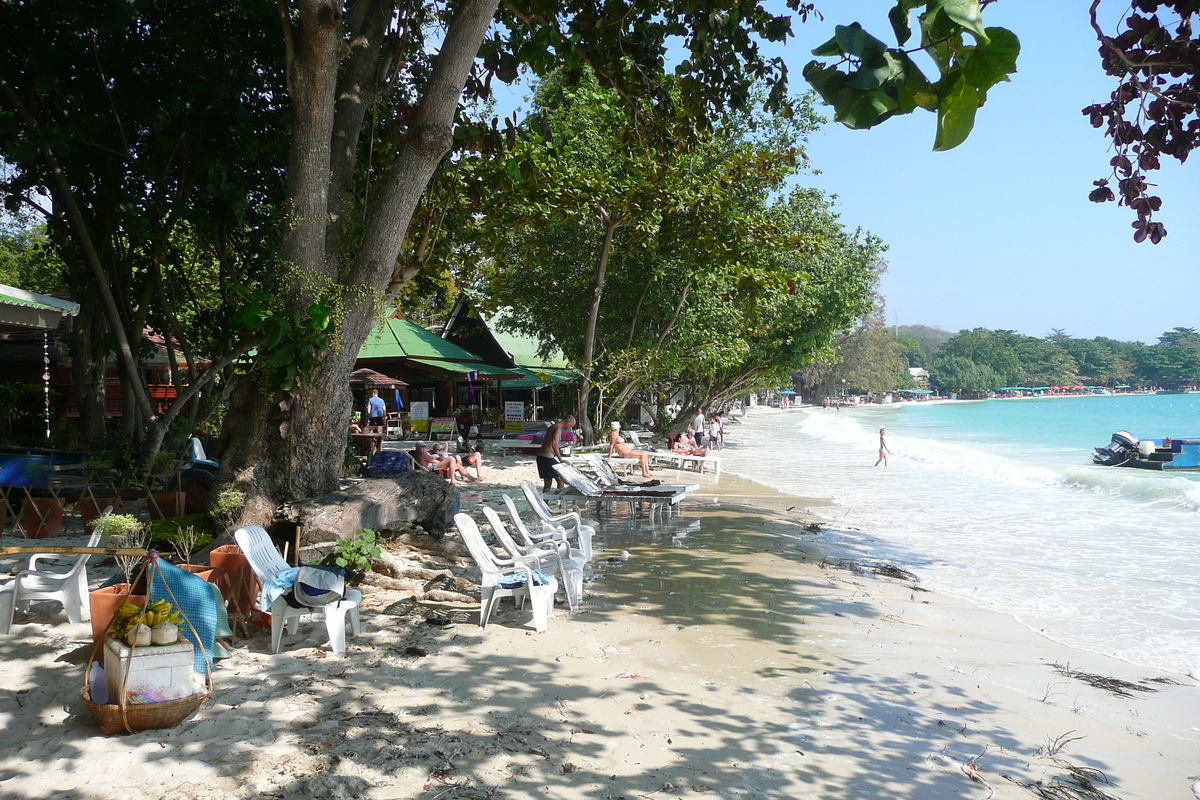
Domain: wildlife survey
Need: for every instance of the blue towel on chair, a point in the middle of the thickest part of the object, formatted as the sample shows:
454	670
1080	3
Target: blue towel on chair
513	581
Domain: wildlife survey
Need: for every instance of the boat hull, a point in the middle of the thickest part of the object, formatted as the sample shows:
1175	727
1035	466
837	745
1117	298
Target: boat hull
1181	454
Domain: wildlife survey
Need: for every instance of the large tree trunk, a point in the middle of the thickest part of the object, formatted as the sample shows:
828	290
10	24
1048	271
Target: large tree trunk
88	368
589	336
269	467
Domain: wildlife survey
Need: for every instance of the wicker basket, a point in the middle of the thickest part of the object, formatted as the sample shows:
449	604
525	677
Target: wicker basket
124	717
113	718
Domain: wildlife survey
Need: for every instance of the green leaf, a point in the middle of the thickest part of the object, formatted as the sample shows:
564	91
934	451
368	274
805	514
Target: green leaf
879	70
956	114
342	562
938	37
320	319
898	16
990	63
967	14
281	357
857	42
828	82
866	109
829	49
274	331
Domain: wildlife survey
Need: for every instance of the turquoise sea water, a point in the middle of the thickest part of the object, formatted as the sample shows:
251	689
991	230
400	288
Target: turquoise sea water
999	501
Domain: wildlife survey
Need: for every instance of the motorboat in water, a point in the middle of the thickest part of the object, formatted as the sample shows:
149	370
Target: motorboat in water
1126	450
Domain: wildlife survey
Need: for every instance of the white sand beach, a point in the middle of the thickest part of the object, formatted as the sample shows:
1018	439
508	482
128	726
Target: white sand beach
731	654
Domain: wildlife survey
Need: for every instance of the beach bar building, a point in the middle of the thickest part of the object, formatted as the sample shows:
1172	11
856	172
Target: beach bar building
488	336
436	370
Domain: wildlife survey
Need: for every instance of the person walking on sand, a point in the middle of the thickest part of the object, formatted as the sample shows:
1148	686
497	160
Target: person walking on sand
548	454
376	409
883	448
698	426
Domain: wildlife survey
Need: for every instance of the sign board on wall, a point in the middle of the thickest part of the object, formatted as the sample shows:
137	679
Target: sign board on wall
514	411
418	416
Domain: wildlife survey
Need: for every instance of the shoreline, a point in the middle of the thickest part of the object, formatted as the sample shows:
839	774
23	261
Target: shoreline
731	655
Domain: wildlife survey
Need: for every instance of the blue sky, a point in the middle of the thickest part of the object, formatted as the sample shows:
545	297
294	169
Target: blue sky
999	233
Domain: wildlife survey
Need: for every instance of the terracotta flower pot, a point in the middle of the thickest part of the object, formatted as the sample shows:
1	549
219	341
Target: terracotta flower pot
238	584
105	602
164	505
43	517
90	508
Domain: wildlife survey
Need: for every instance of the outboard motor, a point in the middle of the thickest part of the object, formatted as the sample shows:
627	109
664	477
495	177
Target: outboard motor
1126	438
1124	446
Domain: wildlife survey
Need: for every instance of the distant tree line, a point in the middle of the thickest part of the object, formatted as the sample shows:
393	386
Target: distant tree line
981	360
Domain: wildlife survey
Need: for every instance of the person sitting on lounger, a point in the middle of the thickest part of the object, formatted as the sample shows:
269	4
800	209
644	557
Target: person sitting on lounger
448	467
622	450
464	460
686	444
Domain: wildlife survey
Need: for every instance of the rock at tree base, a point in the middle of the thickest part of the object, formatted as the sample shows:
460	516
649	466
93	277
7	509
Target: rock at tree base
420	498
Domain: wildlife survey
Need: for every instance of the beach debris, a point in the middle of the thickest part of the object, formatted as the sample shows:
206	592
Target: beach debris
811	527
892	571
1114	686
1057	745
1079	783
628	675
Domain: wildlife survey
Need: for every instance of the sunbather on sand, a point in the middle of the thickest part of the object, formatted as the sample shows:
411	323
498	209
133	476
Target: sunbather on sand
448	467
622	450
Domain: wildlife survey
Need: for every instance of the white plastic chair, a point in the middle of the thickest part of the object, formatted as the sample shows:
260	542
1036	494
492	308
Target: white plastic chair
542	538
266	562
493	569
571	521
69	588
551	557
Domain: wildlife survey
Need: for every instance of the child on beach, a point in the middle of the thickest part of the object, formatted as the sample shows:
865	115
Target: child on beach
883	448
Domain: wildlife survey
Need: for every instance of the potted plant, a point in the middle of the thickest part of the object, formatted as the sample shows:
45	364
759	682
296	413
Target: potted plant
43	517
186	541
118	530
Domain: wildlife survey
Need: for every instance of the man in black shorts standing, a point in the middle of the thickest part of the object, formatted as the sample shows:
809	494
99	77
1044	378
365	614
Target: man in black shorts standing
548	455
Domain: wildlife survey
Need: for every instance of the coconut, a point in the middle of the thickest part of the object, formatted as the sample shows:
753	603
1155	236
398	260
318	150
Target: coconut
165	633
139	635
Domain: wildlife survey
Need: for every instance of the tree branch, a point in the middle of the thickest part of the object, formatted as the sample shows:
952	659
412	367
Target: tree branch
83	238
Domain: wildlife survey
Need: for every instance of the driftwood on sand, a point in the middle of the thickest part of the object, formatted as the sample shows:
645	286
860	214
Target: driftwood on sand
427	569
416	497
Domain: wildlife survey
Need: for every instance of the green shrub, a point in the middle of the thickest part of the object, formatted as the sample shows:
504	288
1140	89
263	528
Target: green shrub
226	507
111	525
166	533
355	555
